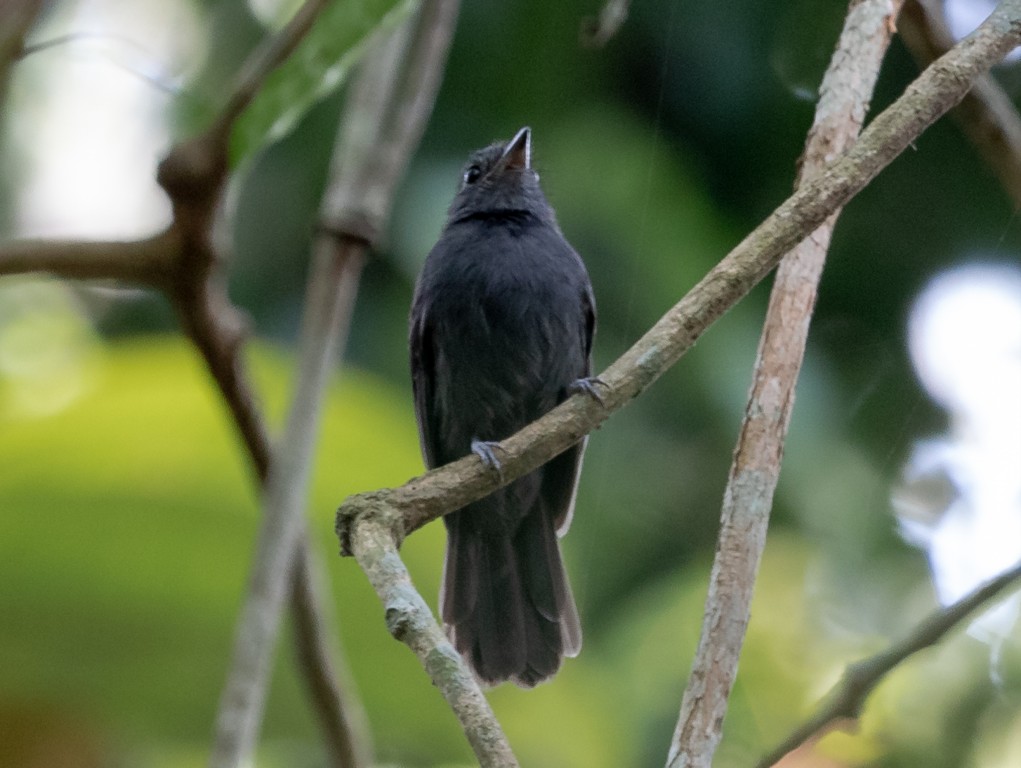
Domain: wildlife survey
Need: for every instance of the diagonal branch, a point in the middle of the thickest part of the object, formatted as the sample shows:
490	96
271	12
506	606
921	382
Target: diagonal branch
847	698
843	102
405	509
193	175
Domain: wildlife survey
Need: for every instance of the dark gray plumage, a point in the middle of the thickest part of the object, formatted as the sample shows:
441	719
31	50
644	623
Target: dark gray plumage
501	332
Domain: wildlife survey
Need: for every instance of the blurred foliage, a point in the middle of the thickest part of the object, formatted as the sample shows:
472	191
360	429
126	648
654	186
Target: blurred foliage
316	68
127	508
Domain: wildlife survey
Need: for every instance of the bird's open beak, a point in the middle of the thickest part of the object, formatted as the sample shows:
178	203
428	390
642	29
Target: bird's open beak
518	153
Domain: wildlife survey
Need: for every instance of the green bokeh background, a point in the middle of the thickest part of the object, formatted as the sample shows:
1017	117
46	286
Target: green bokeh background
127	507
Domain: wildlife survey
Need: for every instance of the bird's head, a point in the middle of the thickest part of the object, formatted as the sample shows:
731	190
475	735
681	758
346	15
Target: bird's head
500	179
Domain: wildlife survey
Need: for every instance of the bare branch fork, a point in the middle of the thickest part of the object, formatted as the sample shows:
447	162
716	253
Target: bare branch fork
372	525
846	699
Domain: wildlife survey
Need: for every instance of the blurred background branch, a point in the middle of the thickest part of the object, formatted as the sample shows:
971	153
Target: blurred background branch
145	262
378	135
846	700
987	115
280	555
844	99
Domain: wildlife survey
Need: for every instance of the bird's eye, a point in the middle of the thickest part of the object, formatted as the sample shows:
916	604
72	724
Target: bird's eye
472	174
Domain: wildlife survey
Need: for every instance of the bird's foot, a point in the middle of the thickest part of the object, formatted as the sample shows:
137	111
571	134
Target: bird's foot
588	386
486	450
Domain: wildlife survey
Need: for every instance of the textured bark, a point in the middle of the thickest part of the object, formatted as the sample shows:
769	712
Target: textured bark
843	102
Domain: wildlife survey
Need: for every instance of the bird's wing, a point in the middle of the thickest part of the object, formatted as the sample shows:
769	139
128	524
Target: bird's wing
588	302
423	381
562	473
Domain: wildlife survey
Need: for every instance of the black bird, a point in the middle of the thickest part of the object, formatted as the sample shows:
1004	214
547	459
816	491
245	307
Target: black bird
501	332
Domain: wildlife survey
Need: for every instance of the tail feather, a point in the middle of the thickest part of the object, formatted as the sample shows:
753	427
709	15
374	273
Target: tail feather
461	571
506	601
500	643
543	655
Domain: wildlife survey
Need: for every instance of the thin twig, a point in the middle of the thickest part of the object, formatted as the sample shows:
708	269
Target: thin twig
361	204
987	114
844	98
847	698
405	509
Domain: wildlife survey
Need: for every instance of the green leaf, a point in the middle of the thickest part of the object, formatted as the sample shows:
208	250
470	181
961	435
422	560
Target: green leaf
318	66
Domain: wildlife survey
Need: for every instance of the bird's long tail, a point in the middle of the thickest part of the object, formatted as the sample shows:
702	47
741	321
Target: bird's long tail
506	600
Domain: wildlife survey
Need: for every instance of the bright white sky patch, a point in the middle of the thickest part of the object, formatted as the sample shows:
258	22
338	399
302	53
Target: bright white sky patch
86	124
963	16
961	494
